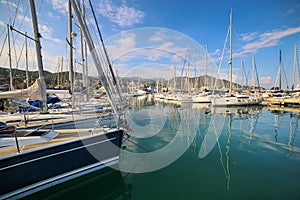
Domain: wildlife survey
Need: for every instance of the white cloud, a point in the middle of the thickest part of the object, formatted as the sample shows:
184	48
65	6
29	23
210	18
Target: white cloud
46	32
165	50
264	80
118	49
162	35
248	36
53	16
156	38
268	39
122	15
24	19
9	3
149	70
60	6
144	46
12	7
216	53
292	10
2	23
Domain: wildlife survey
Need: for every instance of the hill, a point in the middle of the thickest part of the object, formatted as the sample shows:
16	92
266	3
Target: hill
19	78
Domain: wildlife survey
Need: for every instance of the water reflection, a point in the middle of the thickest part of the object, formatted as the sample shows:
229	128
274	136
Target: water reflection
212	123
294	121
284	120
230	115
140	102
158	135
217	152
277	115
104	184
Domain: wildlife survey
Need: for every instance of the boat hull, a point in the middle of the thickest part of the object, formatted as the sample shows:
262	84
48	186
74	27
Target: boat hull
201	99
233	101
35	170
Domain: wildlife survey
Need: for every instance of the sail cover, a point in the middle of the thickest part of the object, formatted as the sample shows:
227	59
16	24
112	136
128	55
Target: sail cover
34	92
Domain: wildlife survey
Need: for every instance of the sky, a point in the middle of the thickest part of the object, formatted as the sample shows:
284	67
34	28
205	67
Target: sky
154	39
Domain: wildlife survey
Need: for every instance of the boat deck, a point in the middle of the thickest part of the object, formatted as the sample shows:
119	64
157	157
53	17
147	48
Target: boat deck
37	120
64	135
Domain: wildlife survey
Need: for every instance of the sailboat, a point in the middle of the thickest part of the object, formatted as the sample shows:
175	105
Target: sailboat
280	94
231	99
63	113
205	95
47	164
185	95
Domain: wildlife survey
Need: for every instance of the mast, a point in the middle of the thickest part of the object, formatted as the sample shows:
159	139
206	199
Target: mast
174	77
252	72
94	55
188	73
242	63
113	79
61	70
230	56
86	70
82	58
58	71
295	66
26	61
9	60
280	68
82	49
38	47
205	80
70	40
85	63
211	78
195	68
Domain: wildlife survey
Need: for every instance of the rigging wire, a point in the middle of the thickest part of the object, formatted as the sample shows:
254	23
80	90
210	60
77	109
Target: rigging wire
256	72
221	59
285	76
227	152
23	19
14	37
97	42
241	55
8	10
18	60
1	34
95	36
40	7
16	13
297	64
17	64
3	45
13	23
105	52
31	56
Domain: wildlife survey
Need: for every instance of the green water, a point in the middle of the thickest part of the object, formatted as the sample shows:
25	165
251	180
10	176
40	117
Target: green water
256	156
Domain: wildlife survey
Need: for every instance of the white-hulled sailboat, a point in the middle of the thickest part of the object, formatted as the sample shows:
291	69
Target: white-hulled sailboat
47	164
205	95
231	99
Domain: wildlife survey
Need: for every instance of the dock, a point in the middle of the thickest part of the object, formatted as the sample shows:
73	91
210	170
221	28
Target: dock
283	101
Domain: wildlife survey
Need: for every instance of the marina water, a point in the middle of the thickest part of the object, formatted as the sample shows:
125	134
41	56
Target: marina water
222	153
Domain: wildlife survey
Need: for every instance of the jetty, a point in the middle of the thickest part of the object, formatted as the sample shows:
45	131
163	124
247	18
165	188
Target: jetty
283	101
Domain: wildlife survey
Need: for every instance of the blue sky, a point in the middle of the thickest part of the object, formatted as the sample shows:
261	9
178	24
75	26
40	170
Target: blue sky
261	27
